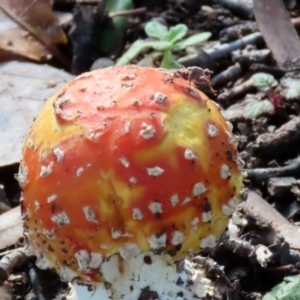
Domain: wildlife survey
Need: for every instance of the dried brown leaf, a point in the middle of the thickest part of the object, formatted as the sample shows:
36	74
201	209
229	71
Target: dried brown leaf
23	89
27	27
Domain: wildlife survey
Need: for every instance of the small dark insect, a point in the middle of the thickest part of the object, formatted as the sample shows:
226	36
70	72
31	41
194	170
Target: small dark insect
194	74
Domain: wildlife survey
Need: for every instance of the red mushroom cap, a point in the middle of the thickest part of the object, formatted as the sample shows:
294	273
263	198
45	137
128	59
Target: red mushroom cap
126	160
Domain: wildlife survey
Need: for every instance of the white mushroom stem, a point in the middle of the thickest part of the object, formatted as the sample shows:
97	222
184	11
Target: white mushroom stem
146	274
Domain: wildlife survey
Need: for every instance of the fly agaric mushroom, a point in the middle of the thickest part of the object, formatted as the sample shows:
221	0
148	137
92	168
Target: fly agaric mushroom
125	171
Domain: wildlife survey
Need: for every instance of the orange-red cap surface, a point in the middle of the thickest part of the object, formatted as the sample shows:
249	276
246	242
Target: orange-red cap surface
125	160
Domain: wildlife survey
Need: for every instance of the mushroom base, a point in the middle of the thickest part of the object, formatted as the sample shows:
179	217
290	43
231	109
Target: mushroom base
146	276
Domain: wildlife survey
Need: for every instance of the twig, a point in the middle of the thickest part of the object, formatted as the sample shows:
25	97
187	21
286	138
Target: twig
221	50
240	8
212	268
287	268
8	252
275	71
245	249
261	174
230	74
11	261
283	142
236	91
259	209
136	11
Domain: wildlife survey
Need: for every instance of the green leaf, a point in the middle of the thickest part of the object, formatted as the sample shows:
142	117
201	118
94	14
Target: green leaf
289	289
156	30
161	45
136	48
263	81
256	108
111	36
193	40
292	88
177	33
168	61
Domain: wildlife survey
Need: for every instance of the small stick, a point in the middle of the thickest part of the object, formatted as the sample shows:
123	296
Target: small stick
230	74
286	268
259	209
11	261
222	50
136	11
261	174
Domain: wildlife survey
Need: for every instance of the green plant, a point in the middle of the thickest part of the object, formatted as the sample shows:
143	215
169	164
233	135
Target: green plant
288	289
263	81
291	88
166	41
112	35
